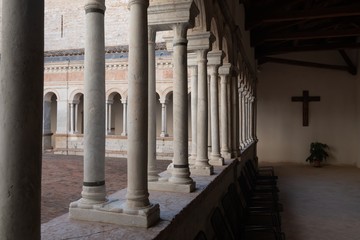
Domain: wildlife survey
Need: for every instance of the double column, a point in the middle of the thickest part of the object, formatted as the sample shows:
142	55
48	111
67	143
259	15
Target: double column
163	118
21	74
125	113
194	98
235	114
215	60
202	166
108	116
180	173
224	72
152	172
74	113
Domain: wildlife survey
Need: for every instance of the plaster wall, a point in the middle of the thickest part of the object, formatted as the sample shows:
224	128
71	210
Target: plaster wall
333	120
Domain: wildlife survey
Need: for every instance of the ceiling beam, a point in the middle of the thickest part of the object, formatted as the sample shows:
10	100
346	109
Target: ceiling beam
308	14
303	63
271	50
351	66
261	38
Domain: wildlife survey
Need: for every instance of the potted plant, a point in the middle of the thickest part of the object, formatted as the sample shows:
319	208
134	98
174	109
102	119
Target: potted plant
317	153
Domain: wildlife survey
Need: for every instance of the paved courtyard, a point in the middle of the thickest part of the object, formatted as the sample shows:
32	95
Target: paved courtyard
62	178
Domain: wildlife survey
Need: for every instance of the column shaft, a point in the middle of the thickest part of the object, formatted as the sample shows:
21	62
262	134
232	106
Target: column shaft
152	172
202	117
21	74
94	108
125	113
223	115
72	118
76	117
163	120
214	102
233	116
180	173
194	96
137	196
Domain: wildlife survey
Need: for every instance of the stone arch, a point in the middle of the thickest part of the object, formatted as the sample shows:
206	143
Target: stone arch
112	91
214	30
48	94
200	20
114	113
227	45
76	113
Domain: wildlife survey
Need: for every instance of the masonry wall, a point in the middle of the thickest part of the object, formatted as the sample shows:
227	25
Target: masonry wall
333	120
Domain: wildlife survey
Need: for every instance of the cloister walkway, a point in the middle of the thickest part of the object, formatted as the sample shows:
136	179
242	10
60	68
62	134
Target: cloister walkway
320	203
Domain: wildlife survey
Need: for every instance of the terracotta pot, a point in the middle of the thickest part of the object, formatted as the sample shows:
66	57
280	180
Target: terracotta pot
317	163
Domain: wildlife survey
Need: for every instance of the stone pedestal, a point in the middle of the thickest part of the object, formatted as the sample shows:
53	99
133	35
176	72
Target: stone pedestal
116	212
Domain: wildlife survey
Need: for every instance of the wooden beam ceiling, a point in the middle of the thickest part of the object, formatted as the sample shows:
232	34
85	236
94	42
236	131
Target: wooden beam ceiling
283	26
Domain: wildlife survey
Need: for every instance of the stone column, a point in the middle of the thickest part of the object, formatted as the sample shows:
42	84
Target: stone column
76	116
224	111
194	96
72	118
125	113
47	125
242	117
235	116
93	192
21	74
108	116
152	172
163	119
251	118
215	157
209	114
202	166
246	118
230	114
180	173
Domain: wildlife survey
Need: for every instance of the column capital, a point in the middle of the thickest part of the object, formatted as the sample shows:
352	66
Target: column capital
225	69
109	101
164	14
215	58
180	34
143	2
151	34
163	101
192	60
123	101
95	6
202	55
74	102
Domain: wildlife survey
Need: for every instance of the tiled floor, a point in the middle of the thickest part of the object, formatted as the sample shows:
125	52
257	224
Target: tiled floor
320	203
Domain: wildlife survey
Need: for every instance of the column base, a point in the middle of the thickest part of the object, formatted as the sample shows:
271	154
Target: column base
115	212
164	135
164	185
216	160
226	155
202	170
192	159
124	134
153	178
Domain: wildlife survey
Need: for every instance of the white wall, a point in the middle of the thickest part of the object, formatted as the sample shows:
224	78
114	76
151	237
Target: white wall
333	120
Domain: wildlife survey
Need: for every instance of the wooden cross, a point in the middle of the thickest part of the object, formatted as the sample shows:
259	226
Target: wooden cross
305	99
